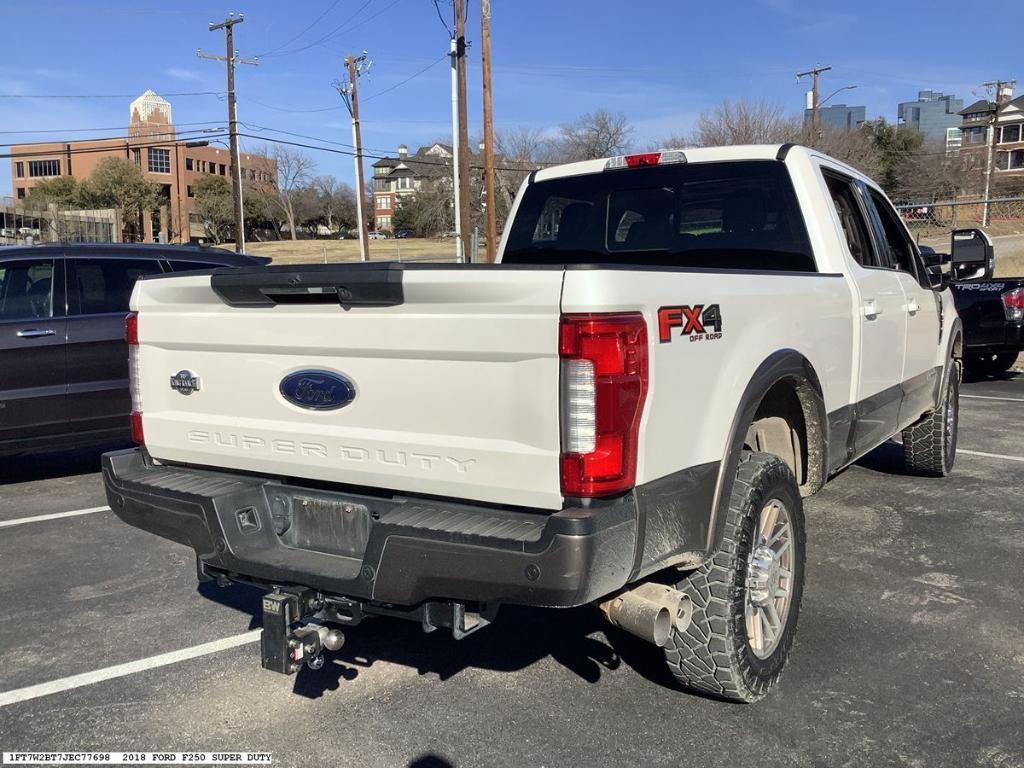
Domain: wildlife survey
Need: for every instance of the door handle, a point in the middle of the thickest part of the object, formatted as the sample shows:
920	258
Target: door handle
34	333
913	307
871	309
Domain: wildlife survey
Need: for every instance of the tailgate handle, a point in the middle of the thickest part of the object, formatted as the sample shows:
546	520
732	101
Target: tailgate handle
348	285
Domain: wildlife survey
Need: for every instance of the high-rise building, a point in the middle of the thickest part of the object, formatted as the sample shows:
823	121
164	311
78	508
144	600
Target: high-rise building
932	114
839	116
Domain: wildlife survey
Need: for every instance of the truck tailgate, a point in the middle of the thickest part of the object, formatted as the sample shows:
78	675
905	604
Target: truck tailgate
456	383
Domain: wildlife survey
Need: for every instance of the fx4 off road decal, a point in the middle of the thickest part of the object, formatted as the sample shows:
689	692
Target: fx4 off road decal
699	322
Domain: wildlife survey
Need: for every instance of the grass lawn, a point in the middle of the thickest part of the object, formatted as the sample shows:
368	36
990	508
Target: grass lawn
327	251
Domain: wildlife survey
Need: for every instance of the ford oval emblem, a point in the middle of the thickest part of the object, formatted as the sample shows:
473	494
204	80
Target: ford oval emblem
317	390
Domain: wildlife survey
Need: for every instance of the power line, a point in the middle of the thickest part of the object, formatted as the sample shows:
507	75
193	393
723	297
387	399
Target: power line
296	37
90	130
100	95
169	138
408	79
524	168
294	111
328	36
443	22
93	150
254	127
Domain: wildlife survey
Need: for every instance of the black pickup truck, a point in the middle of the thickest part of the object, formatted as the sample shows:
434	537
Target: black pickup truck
991	309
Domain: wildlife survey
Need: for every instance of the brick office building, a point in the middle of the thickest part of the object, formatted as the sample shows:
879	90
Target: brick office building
164	159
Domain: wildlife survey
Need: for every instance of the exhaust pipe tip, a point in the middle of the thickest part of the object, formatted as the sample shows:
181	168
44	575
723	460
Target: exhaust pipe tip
650	611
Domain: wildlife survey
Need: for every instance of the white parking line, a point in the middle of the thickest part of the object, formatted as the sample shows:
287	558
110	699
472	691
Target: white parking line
121	670
54	516
989	397
990	455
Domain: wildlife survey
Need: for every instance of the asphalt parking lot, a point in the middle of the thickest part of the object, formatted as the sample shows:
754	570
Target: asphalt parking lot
910	649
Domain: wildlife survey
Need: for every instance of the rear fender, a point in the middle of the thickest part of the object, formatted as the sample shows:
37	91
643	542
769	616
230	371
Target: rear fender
784	364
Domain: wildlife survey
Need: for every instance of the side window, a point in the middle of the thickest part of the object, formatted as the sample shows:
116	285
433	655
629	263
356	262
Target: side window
26	290
897	246
189	266
844	199
101	286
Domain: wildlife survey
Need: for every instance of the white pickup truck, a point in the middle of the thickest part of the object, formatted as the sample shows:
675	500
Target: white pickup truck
674	349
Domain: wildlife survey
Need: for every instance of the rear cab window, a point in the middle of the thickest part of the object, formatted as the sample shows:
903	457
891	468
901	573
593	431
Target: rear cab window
727	215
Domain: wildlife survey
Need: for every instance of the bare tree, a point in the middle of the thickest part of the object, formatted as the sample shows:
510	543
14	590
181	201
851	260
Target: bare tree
934	173
856	147
597	134
294	170
335	200
742	122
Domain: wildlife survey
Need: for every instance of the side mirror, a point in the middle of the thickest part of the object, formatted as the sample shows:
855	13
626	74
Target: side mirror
933	266
973	255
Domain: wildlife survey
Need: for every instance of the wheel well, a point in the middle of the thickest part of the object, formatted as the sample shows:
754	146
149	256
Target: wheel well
788	422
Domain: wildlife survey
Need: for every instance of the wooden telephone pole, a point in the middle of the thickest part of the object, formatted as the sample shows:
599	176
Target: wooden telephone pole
356	66
489	194
815	104
231	58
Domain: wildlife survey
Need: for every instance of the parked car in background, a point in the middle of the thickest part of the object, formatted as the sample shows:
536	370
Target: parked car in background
378	235
991	309
347	236
403	233
63	360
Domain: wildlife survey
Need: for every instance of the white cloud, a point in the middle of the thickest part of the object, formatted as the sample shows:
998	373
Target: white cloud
187	75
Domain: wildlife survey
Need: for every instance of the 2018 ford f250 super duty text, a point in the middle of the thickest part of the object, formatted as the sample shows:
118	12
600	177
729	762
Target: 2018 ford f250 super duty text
675	348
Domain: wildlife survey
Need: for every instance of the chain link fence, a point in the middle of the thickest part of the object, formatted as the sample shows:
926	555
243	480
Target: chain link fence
22	223
929	217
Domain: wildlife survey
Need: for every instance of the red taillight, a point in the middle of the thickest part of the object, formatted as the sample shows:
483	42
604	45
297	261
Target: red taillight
131	335
1013	304
131	328
604	385
644	159
137	434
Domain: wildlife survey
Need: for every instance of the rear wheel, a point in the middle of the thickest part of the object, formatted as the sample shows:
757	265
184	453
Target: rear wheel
929	446
747	598
990	363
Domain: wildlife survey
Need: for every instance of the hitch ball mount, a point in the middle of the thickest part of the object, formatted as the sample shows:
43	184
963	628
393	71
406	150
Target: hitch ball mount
284	649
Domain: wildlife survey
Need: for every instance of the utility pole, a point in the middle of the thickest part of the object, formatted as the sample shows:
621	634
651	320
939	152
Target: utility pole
990	159
356	66
231	58
456	181
815	106
491	231
462	157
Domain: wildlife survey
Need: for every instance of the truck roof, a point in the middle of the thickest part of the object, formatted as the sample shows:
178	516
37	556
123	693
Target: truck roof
699	155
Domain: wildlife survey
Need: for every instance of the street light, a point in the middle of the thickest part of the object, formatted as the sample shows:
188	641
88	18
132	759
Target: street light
838	90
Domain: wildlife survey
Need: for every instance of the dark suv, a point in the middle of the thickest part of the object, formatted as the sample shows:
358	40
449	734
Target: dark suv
63	361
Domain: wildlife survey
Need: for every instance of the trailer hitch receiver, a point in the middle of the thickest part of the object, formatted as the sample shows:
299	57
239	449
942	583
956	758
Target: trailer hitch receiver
285	649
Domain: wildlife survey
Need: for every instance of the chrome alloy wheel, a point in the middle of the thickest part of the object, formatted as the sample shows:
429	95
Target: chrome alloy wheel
769	579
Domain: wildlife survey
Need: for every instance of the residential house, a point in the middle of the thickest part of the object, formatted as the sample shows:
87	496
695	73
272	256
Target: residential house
1008	124
404	175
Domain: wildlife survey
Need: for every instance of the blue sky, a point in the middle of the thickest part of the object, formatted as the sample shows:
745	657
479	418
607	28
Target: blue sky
661	62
